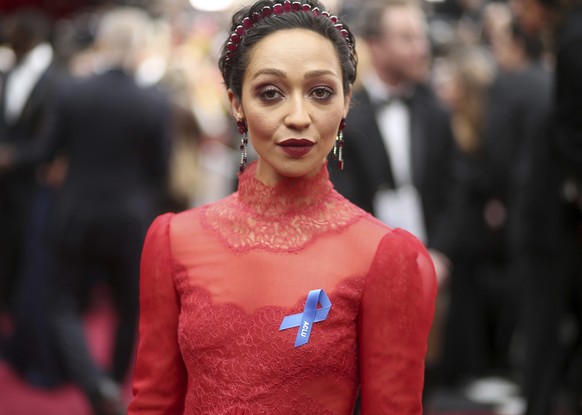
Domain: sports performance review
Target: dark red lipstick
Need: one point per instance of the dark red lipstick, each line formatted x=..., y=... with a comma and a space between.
x=296, y=147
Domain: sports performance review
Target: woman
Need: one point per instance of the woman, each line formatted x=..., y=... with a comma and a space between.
x=229, y=291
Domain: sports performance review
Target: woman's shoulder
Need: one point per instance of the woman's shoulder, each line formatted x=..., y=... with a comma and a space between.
x=191, y=217
x=403, y=261
x=177, y=223
x=401, y=236
x=381, y=234
x=389, y=250
x=182, y=230
x=368, y=237
x=399, y=244
x=366, y=223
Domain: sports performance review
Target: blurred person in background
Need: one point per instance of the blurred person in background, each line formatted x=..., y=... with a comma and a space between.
x=496, y=116
x=117, y=138
x=496, y=19
x=399, y=144
x=469, y=75
x=551, y=239
x=28, y=96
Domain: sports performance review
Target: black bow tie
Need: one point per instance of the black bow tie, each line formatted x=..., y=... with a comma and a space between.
x=383, y=103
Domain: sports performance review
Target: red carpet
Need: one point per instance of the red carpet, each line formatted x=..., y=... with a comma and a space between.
x=19, y=398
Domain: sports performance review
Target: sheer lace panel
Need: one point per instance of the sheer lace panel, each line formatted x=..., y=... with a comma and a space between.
x=258, y=277
x=285, y=217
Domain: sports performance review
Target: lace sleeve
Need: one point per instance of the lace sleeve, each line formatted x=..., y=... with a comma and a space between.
x=160, y=378
x=395, y=317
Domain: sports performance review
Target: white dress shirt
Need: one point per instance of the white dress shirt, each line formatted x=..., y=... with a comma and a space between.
x=23, y=78
x=400, y=207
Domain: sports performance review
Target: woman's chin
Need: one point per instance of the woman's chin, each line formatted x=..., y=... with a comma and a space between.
x=293, y=169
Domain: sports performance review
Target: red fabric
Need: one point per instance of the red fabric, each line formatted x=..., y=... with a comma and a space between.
x=217, y=281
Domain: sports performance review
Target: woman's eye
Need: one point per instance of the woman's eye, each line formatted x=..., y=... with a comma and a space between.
x=322, y=93
x=269, y=94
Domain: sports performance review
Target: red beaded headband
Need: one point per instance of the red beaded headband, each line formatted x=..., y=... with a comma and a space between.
x=275, y=10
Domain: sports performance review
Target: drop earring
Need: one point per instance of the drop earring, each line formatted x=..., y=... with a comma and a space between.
x=244, y=144
x=338, y=148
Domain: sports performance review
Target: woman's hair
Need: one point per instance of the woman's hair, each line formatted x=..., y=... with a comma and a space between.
x=233, y=63
x=533, y=46
x=474, y=73
x=559, y=11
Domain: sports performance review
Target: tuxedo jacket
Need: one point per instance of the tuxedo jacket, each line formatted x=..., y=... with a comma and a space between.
x=117, y=139
x=567, y=126
x=367, y=164
x=546, y=222
x=17, y=185
x=546, y=219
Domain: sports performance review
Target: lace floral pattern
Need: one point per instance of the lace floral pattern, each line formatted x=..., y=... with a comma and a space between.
x=243, y=364
x=281, y=218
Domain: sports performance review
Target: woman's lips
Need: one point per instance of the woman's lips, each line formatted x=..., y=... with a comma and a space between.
x=296, y=147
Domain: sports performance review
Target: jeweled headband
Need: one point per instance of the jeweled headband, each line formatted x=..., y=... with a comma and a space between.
x=277, y=9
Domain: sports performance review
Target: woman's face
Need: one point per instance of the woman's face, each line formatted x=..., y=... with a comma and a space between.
x=292, y=102
x=447, y=84
x=531, y=15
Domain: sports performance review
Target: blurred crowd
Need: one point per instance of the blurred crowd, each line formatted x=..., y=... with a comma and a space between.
x=113, y=113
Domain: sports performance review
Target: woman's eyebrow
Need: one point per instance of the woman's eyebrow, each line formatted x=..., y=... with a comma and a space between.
x=318, y=73
x=270, y=71
x=282, y=74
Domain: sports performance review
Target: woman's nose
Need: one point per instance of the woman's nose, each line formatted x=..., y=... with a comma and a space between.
x=298, y=116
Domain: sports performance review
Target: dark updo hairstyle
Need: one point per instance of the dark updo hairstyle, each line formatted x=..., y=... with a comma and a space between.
x=233, y=68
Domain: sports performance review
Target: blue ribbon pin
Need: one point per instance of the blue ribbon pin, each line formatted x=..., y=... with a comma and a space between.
x=311, y=314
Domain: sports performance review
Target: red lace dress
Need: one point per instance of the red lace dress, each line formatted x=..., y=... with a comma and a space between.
x=218, y=280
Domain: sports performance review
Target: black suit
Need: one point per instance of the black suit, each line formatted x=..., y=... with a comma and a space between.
x=117, y=139
x=552, y=245
x=367, y=164
x=25, y=259
x=568, y=126
x=18, y=187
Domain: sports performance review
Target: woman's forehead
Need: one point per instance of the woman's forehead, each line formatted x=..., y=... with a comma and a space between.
x=293, y=51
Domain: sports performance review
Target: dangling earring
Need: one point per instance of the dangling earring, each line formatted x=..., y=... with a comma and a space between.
x=244, y=144
x=338, y=148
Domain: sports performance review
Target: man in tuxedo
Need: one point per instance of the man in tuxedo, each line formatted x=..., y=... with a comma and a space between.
x=28, y=96
x=117, y=138
x=398, y=141
x=28, y=93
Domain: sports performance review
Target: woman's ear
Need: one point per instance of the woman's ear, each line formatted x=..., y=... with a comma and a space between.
x=235, y=105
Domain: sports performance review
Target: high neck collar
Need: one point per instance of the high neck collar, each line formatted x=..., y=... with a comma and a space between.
x=282, y=218
x=291, y=195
